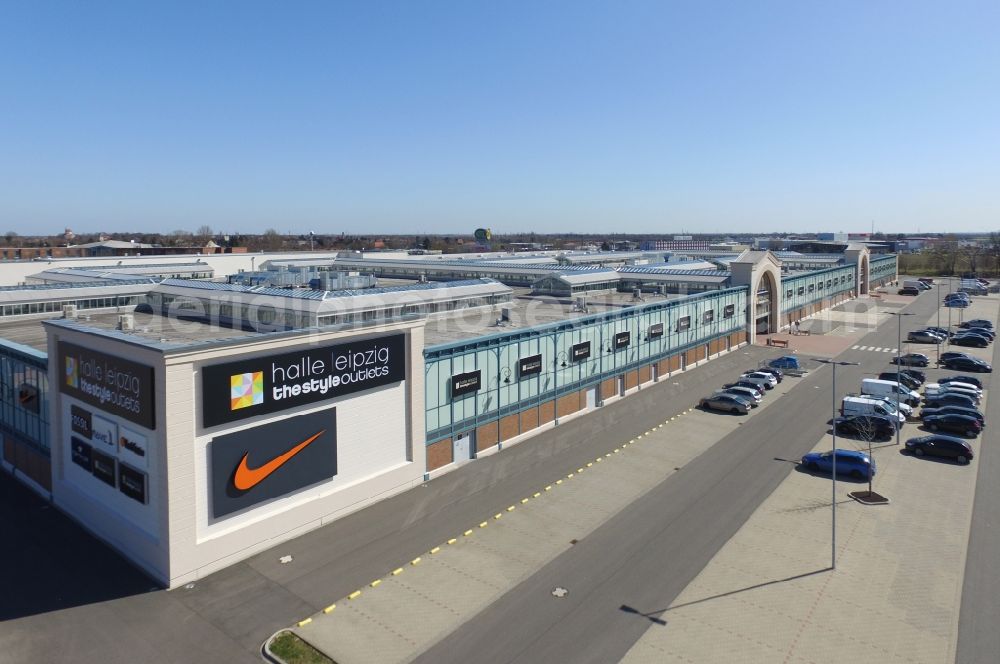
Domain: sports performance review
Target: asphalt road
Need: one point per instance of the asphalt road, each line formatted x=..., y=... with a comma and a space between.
x=647, y=554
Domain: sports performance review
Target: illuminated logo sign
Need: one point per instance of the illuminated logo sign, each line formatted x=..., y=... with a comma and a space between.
x=465, y=383
x=112, y=384
x=132, y=447
x=104, y=431
x=80, y=421
x=656, y=330
x=622, y=339
x=132, y=483
x=246, y=389
x=580, y=351
x=237, y=390
x=528, y=366
x=272, y=460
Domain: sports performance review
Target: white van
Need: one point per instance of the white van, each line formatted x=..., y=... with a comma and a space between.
x=889, y=389
x=871, y=406
x=916, y=283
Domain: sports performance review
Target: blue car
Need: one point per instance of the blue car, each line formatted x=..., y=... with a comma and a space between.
x=786, y=362
x=849, y=462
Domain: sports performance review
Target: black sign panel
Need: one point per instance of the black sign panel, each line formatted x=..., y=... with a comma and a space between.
x=246, y=388
x=132, y=483
x=272, y=460
x=622, y=339
x=103, y=467
x=81, y=422
x=120, y=387
x=80, y=453
x=656, y=330
x=464, y=383
x=580, y=351
x=528, y=366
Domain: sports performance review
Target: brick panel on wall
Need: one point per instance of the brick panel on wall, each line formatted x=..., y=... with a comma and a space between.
x=645, y=373
x=663, y=367
x=546, y=412
x=675, y=362
x=487, y=436
x=569, y=403
x=509, y=427
x=692, y=356
x=439, y=454
x=609, y=388
x=631, y=379
x=529, y=419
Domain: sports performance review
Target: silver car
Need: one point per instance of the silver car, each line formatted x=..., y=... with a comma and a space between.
x=752, y=397
x=729, y=403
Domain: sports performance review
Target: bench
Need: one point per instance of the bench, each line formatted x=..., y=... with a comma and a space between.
x=780, y=343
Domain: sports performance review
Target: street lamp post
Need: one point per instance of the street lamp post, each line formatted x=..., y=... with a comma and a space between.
x=939, y=322
x=833, y=421
x=899, y=347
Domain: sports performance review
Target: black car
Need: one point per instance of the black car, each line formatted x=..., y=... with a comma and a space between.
x=907, y=381
x=915, y=374
x=987, y=332
x=975, y=335
x=970, y=341
x=908, y=290
x=952, y=354
x=971, y=380
x=941, y=446
x=977, y=322
x=967, y=364
x=953, y=422
x=958, y=410
x=865, y=427
x=949, y=399
x=912, y=360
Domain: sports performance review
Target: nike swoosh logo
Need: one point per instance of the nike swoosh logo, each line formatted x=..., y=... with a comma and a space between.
x=247, y=478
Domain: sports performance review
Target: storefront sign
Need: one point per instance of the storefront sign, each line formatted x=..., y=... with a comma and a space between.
x=104, y=467
x=622, y=339
x=80, y=421
x=132, y=447
x=105, y=432
x=237, y=390
x=132, y=483
x=465, y=383
x=272, y=460
x=580, y=351
x=528, y=366
x=120, y=387
x=656, y=331
x=80, y=453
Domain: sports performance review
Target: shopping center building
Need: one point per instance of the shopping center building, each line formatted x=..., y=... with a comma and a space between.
x=192, y=423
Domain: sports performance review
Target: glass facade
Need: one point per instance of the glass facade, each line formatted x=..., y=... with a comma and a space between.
x=24, y=390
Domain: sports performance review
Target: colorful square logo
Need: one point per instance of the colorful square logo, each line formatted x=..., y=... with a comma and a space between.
x=246, y=390
x=72, y=372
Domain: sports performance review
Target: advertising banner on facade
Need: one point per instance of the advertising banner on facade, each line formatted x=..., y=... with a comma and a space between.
x=656, y=330
x=132, y=483
x=622, y=339
x=80, y=421
x=465, y=383
x=234, y=391
x=104, y=432
x=133, y=447
x=80, y=453
x=528, y=366
x=272, y=460
x=580, y=351
x=104, y=467
x=115, y=385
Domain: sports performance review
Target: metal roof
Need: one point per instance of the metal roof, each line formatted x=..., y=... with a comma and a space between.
x=82, y=284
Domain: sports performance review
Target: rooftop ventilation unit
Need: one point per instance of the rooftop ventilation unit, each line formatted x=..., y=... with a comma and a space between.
x=69, y=311
x=126, y=323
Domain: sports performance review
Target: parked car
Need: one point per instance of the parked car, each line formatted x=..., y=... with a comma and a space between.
x=908, y=290
x=786, y=362
x=958, y=410
x=924, y=337
x=912, y=360
x=957, y=304
x=955, y=423
x=864, y=427
x=949, y=399
x=904, y=379
x=967, y=364
x=977, y=322
x=726, y=402
x=951, y=355
x=941, y=446
x=932, y=390
x=970, y=341
x=761, y=375
x=757, y=387
x=915, y=374
x=940, y=330
x=989, y=335
x=970, y=380
x=750, y=395
x=777, y=373
x=849, y=462
x=926, y=280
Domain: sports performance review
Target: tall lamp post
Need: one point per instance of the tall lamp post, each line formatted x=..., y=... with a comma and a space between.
x=899, y=347
x=833, y=421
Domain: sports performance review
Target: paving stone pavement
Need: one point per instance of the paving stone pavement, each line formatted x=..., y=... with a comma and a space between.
x=413, y=607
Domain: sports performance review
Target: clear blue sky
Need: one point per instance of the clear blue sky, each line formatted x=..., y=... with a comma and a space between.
x=436, y=117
